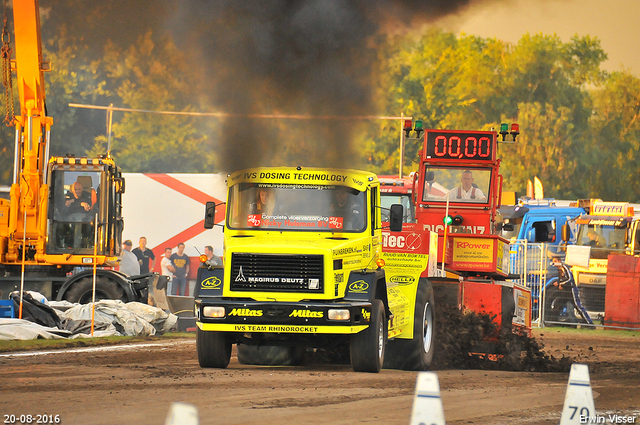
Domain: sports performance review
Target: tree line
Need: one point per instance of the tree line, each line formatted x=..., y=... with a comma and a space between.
x=580, y=132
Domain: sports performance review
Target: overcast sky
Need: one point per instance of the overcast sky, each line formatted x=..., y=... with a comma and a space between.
x=616, y=23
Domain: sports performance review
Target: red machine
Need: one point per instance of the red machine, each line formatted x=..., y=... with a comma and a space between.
x=457, y=193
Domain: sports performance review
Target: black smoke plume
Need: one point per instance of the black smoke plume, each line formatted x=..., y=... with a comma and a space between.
x=305, y=57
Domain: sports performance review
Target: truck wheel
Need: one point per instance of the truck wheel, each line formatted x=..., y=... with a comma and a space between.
x=106, y=289
x=269, y=355
x=367, y=347
x=416, y=353
x=559, y=308
x=214, y=349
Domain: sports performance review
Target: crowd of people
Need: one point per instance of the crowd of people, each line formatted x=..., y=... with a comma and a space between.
x=174, y=265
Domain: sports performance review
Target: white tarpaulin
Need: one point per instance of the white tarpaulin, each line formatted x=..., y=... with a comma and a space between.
x=129, y=319
x=112, y=317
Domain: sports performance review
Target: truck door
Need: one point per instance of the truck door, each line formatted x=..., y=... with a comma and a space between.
x=544, y=230
x=78, y=197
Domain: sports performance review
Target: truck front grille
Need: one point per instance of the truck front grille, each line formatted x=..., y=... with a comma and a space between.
x=592, y=297
x=277, y=273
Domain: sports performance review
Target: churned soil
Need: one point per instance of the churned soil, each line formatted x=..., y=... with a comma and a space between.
x=137, y=383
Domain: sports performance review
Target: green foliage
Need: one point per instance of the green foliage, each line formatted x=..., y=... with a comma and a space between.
x=614, y=152
x=579, y=126
x=468, y=82
x=155, y=78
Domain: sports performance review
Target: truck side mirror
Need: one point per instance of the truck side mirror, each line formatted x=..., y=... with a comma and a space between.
x=210, y=214
x=531, y=235
x=565, y=233
x=119, y=184
x=395, y=218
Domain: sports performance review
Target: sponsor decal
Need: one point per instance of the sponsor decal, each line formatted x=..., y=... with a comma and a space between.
x=473, y=250
x=478, y=230
x=610, y=208
x=522, y=301
x=411, y=242
x=307, y=314
x=245, y=312
x=313, y=283
x=335, y=222
x=402, y=280
x=240, y=277
x=366, y=315
x=254, y=220
x=344, y=251
x=359, y=286
x=276, y=328
x=480, y=245
x=211, y=283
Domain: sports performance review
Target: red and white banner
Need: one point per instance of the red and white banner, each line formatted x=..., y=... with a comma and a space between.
x=169, y=208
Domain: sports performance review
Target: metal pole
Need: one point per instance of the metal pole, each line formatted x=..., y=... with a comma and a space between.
x=401, y=168
x=16, y=155
x=47, y=139
x=109, y=121
x=95, y=255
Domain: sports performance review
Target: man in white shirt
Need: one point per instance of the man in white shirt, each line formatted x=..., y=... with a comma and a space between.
x=467, y=190
x=167, y=267
x=128, y=260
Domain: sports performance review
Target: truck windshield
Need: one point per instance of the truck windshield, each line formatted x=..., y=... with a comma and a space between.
x=73, y=205
x=404, y=199
x=603, y=240
x=457, y=184
x=296, y=207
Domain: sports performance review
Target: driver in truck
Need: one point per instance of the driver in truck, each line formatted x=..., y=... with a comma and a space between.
x=467, y=190
x=77, y=200
x=349, y=210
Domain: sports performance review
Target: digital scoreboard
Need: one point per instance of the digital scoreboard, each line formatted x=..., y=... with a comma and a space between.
x=460, y=145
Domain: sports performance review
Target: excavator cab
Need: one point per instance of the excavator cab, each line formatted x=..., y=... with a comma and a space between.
x=84, y=206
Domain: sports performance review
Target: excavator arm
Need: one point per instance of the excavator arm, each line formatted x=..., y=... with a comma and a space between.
x=26, y=232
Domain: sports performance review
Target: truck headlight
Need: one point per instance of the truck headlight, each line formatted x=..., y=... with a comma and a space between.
x=339, y=314
x=211, y=311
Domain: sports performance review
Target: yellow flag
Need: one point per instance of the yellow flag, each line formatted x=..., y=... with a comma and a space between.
x=529, y=189
x=538, y=191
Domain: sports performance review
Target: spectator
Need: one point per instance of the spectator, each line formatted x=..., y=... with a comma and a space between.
x=146, y=257
x=180, y=262
x=167, y=268
x=212, y=259
x=566, y=279
x=467, y=190
x=128, y=261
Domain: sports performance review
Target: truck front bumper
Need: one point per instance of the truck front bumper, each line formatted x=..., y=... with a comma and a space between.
x=282, y=317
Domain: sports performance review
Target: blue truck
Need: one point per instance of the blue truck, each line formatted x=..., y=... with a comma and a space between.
x=534, y=227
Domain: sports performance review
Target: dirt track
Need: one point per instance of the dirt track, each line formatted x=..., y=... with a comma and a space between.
x=137, y=384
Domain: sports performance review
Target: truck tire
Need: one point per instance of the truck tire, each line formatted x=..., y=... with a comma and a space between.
x=269, y=355
x=416, y=353
x=106, y=289
x=368, y=346
x=559, y=307
x=214, y=349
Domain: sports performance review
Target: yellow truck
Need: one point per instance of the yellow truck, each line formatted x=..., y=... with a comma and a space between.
x=610, y=228
x=304, y=268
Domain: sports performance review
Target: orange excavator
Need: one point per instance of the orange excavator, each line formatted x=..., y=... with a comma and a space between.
x=64, y=215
